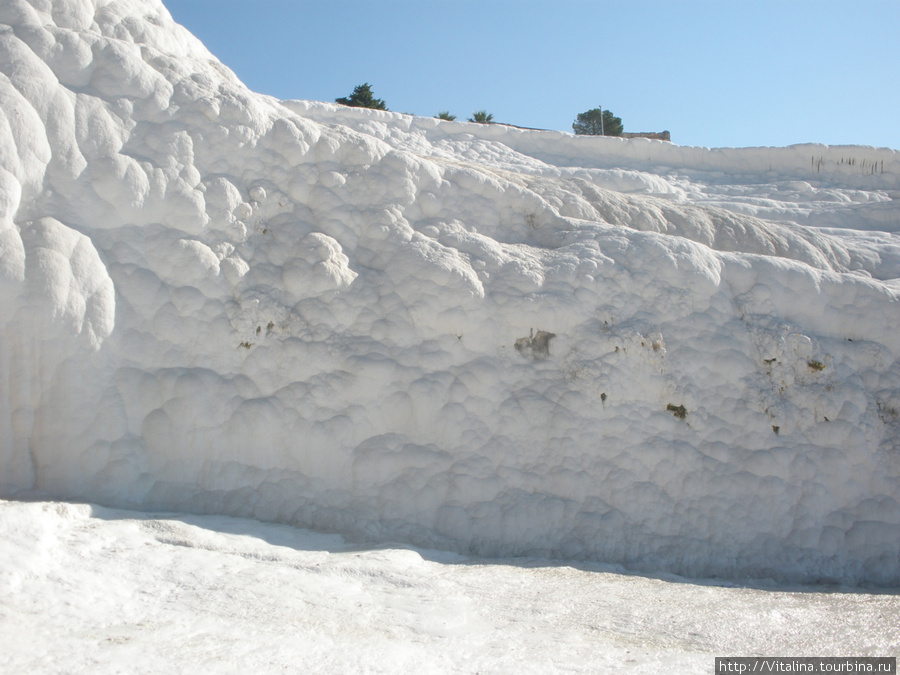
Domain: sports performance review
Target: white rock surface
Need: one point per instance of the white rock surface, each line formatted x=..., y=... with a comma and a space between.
x=111, y=591
x=218, y=302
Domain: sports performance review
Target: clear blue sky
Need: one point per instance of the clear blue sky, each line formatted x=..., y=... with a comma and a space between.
x=713, y=72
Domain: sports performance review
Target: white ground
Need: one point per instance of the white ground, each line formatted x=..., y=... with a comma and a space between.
x=92, y=590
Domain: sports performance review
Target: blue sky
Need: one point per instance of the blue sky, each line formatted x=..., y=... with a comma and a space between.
x=713, y=72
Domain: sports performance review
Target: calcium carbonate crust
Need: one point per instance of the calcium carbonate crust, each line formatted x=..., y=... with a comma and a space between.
x=474, y=337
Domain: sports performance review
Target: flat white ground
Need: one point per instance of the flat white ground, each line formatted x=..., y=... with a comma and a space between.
x=85, y=589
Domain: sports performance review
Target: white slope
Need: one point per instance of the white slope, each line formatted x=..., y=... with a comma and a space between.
x=87, y=589
x=216, y=302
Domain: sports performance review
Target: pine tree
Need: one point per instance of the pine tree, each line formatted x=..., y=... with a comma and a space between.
x=362, y=97
x=589, y=123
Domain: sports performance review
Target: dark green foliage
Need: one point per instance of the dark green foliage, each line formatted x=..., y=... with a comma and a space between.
x=445, y=115
x=362, y=97
x=678, y=410
x=482, y=117
x=588, y=124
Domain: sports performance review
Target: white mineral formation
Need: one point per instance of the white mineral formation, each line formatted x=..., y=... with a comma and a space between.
x=217, y=302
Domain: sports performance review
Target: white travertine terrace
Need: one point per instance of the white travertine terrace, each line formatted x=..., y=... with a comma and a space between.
x=217, y=302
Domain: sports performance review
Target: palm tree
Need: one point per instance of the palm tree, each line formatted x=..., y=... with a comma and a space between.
x=482, y=117
x=445, y=115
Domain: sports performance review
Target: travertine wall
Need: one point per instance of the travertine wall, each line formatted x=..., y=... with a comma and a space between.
x=658, y=135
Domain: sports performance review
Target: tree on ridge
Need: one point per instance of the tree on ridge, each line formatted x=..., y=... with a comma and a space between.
x=596, y=123
x=482, y=117
x=362, y=97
